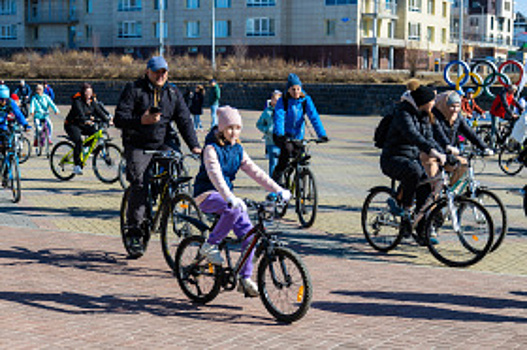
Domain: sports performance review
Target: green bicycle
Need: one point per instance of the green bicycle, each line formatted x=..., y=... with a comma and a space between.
x=106, y=157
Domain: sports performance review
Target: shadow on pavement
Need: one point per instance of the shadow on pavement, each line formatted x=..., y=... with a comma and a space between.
x=76, y=212
x=412, y=311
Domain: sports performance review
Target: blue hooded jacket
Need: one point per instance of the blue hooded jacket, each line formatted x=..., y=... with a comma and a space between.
x=11, y=108
x=289, y=120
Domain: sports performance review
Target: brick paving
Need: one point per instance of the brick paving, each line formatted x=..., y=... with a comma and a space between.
x=66, y=282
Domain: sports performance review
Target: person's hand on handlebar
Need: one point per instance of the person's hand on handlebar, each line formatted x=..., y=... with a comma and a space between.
x=196, y=150
x=453, y=150
x=440, y=156
x=284, y=195
x=235, y=202
x=323, y=139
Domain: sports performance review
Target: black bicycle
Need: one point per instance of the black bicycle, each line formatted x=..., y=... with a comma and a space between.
x=300, y=180
x=503, y=131
x=283, y=279
x=9, y=168
x=167, y=201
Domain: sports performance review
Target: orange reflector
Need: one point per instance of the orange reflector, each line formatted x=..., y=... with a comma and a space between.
x=300, y=294
x=476, y=238
x=184, y=206
x=211, y=268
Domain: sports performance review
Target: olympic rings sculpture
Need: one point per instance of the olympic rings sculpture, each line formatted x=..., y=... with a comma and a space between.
x=483, y=85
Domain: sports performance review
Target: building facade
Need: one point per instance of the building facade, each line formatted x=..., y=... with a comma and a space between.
x=378, y=34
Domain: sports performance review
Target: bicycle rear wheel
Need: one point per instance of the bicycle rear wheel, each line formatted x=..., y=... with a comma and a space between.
x=14, y=180
x=174, y=226
x=497, y=212
x=285, y=285
x=509, y=162
x=469, y=242
x=23, y=149
x=306, y=198
x=380, y=227
x=106, y=162
x=61, y=161
x=197, y=278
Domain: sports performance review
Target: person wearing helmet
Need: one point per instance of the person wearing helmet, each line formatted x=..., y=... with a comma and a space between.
x=24, y=93
x=469, y=105
x=8, y=106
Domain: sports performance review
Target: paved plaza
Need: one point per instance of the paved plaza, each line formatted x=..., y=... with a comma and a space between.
x=66, y=282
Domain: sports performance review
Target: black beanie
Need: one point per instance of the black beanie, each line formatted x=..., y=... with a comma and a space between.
x=422, y=95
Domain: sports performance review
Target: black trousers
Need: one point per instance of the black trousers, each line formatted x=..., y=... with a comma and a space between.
x=409, y=172
x=287, y=151
x=75, y=133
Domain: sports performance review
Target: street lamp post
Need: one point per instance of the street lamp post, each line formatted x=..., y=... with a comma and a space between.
x=213, y=44
x=460, y=40
x=161, y=27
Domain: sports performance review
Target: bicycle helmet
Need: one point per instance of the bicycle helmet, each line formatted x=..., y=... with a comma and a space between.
x=470, y=91
x=4, y=91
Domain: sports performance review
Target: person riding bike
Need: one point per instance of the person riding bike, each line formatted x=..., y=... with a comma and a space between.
x=289, y=122
x=7, y=107
x=144, y=112
x=222, y=157
x=502, y=107
x=39, y=110
x=82, y=119
x=23, y=92
x=469, y=107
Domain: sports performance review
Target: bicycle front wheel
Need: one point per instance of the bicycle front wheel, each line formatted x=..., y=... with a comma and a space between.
x=285, y=285
x=23, y=149
x=174, y=226
x=509, y=161
x=497, y=211
x=14, y=180
x=61, y=161
x=306, y=198
x=106, y=162
x=380, y=227
x=464, y=233
x=197, y=278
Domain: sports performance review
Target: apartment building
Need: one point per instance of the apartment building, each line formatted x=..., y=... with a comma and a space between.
x=379, y=34
x=520, y=30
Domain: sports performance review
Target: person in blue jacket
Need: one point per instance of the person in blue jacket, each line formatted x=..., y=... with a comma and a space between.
x=289, y=122
x=8, y=106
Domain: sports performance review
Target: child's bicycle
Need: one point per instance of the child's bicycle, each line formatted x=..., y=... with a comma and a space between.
x=10, y=168
x=105, y=157
x=43, y=138
x=283, y=279
x=458, y=231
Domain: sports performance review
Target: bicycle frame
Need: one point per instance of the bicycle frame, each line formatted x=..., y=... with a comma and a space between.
x=10, y=155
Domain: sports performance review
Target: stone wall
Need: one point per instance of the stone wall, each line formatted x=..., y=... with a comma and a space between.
x=346, y=99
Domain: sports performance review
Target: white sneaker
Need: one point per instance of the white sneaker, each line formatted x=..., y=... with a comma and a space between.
x=212, y=253
x=77, y=170
x=248, y=287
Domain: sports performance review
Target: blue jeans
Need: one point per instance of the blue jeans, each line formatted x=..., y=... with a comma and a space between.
x=197, y=121
x=272, y=152
x=214, y=115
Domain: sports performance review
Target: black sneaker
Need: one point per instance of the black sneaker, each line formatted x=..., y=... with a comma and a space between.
x=135, y=244
x=420, y=237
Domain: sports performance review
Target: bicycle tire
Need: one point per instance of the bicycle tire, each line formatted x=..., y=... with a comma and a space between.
x=306, y=197
x=38, y=149
x=23, y=149
x=198, y=279
x=380, y=227
x=122, y=173
x=61, y=161
x=174, y=228
x=14, y=180
x=294, y=282
x=509, y=162
x=459, y=249
x=497, y=211
x=525, y=200
x=105, y=163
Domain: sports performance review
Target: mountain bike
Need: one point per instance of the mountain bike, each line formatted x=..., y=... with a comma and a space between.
x=503, y=131
x=457, y=230
x=105, y=157
x=300, y=180
x=166, y=202
x=510, y=160
x=10, y=168
x=283, y=279
x=43, y=138
x=21, y=142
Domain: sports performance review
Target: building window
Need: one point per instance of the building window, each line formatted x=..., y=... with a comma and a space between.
x=129, y=29
x=260, y=3
x=223, y=29
x=193, y=29
x=8, y=32
x=431, y=7
x=7, y=7
x=192, y=49
x=222, y=4
x=414, y=31
x=430, y=35
x=474, y=22
x=501, y=20
x=165, y=29
x=414, y=5
x=193, y=4
x=507, y=6
x=491, y=23
x=129, y=5
x=443, y=36
x=260, y=27
x=391, y=29
x=340, y=2
x=157, y=2
x=35, y=33
x=331, y=26
x=445, y=9
x=509, y=25
x=89, y=6
x=221, y=49
x=89, y=31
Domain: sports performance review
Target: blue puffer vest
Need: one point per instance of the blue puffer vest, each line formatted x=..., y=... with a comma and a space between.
x=230, y=159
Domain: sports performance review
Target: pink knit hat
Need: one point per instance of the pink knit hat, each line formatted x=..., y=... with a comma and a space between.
x=228, y=116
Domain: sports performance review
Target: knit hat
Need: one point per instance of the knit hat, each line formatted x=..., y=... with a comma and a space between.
x=422, y=95
x=293, y=79
x=228, y=116
x=453, y=99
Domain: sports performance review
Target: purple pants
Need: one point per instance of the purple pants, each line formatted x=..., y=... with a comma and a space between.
x=230, y=219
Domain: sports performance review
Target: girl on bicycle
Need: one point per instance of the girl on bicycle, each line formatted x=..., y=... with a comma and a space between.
x=222, y=157
x=82, y=119
x=39, y=109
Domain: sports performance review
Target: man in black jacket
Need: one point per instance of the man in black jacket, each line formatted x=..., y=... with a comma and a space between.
x=144, y=113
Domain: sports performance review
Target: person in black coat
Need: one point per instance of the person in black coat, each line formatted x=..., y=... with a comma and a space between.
x=144, y=112
x=83, y=119
x=196, y=106
x=409, y=135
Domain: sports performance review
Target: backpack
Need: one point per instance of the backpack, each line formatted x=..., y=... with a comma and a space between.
x=381, y=131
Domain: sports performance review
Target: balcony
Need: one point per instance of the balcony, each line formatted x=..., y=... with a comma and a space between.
x=382, y=41
x=384, y=9
x=51, y=12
